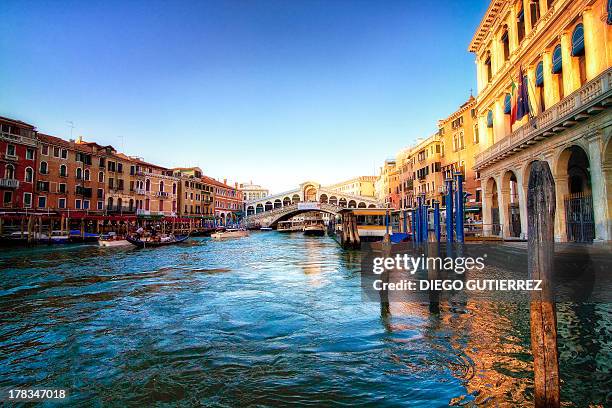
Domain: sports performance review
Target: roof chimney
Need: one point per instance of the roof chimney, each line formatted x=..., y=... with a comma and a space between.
x=224, y=181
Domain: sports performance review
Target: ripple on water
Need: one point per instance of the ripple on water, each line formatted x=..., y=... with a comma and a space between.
x=267, y=320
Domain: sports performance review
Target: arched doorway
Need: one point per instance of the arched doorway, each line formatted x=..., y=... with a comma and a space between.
x=577, y=195
x=333, y=200
x=352, y=204
x=295, y=198
x=310, y=193
x=259, y=208
x=269, y=206
x=511, y=198
x=278, y=203
x=323, y=198
x=342, y=202
x=361, y=205
x=286, y=201
x=250, y=210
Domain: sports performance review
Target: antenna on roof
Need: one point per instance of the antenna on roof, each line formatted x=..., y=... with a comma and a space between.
x=71, y=126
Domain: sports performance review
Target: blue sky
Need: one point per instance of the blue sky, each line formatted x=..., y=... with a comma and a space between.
x=277, y=92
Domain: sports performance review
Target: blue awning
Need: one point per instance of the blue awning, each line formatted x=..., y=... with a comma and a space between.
x=578, y=41
x=540, y=74
x=557, y=60
x=609, y=11
x=490, y=119
x=507, y=104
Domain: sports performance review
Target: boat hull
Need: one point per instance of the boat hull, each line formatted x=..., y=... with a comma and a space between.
x=229, y=234
x=150, y=244
x=115, y=243
x=314, y=232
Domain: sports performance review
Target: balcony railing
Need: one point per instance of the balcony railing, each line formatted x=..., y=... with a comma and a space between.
x=9, y=183
x=162, y=194
x=12, y=157
x=140, y=191
x=577, y=106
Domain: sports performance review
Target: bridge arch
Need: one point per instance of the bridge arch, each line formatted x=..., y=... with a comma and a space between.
x=286, y=201
x=295, y=198
x=259, y=208
x=342, y=202
x=352, y=204
x=323, y=198
x=278, y=203
x=250, y=210
x=333, y=200
x=361, y=205
x=269, y=206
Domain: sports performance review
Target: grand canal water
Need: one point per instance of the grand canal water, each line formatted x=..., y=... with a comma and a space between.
x=267, y=320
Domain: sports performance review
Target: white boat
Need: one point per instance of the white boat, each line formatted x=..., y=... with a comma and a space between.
x=113, y=242
x=314, y=226
x=265, y=229
x=230, y=233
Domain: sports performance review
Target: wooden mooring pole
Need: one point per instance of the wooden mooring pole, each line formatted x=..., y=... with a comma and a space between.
x=541, y=220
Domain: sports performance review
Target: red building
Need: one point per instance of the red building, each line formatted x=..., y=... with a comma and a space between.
x=227, y=200
x=17, y=164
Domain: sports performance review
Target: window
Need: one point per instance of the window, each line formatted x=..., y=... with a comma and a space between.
x=132, y=170
x=488, y=70
x=490, y=119
x=63, y=171
x=520, y=23
x=42, y=186
x=64, y=154
x=476, y=136
x=102, y=162
x=534, y=9
x=557, y=69
x=79, y=173
x=578, y=51
x=161, y=186
x=56, y=151
x=86, y=204
x=43, y=167
x=101, y=177
x=61, y=203
x=109, y=203
x=100, y=205
x=119, y=168
x=10, y=150
x=30, y=154
x=7, y=197
x=9, y=171
x=100, y=193
x=77, y=203
x=27, y=200
x=29, y=175
x=44, y=149
x=61, y=188
x=539, y=90
x=507, y=104
x=505, y=44
x=120, y=184
x=111, y=182
x=42, y=201
x=86, y=174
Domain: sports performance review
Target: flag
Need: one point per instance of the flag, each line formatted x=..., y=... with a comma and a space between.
x=521, y=107
x=513, y=100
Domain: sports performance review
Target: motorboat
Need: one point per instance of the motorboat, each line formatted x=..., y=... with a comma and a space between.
x=289, y=226
x=230, y=233
x=112, y=240
x=59, y=237
x=314, y=227
x=150, y=242
x=265, y=229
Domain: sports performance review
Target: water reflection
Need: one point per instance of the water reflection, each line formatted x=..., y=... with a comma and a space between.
x=268, y=320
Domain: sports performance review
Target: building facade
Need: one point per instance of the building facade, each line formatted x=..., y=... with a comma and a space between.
x=564, y=49
x=195, y=196
x=17, y=164
x=357, y=186
x=428, y=179
x=459, y=138
x=228, y=205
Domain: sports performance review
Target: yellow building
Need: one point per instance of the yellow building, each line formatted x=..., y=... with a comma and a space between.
x=195, y=197
x=565, y=50
x=357, y=186
x=460, y=142
x=160, y=189
x=428, y=180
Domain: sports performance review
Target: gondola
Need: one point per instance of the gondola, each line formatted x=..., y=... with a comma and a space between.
x=150, y=244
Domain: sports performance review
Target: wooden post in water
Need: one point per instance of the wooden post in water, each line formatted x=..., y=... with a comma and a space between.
x=541, y=220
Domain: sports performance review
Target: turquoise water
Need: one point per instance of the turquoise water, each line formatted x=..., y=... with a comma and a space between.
x=267, y=320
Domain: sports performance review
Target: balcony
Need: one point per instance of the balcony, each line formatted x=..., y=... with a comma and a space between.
x=11, y=157
x=9, y=183
x=162, y=194
x=592, y=98
x=140, y=191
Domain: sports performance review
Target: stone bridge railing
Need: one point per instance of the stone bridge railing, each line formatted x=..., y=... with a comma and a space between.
x=270, y=217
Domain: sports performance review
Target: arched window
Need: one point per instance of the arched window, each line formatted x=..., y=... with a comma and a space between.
x=540, y=74
x=534, y=9
x=505, y=43
x=131, y=205
x=87, y=174
x=43, y=167
x=79, y=173
x=488, y=69
x=161, y=186
x=9, y=171
x=557, y=63
x=109, y=204
x=148, y=185
x=29, y=175
x=578, y=41
x=101, y=177
x=507, y=104
x=490, y=119
x=173, y=188
x=63, y=171
x=119, y=203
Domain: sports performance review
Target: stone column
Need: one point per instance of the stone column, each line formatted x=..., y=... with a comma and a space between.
x=599, y=187
x=571, y=80
x=486, y=208
x=503, y=196
x=561, y=189
x=549, y=84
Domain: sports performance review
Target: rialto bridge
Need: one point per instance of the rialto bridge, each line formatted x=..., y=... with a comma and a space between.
x=309, y=196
